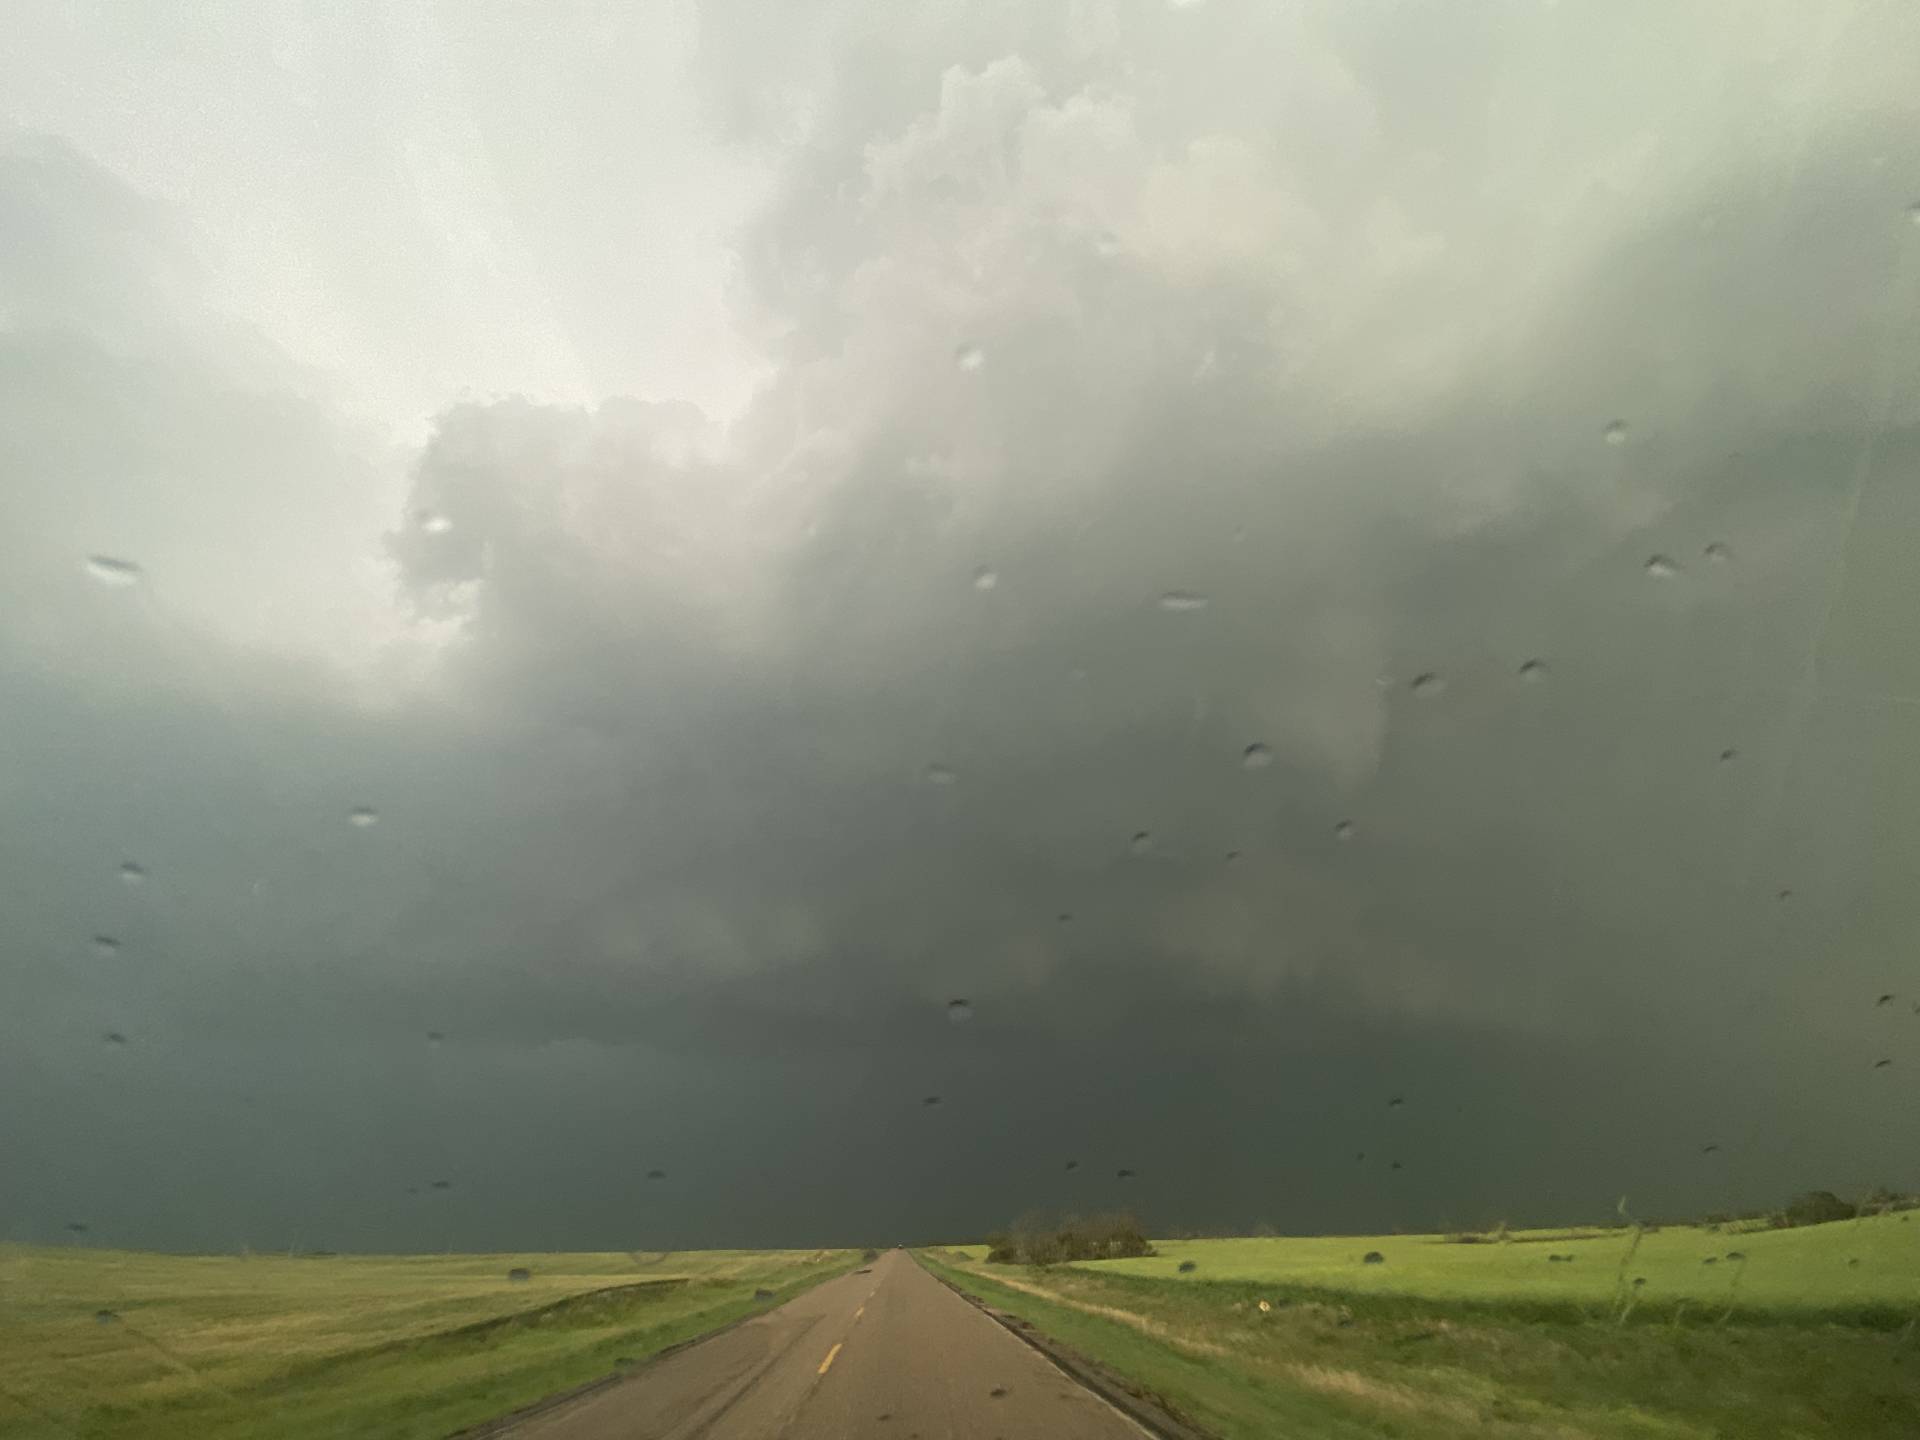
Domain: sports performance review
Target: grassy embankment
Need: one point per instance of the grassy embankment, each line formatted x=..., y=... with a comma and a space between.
x=367, y=1346
x=1812, y=1333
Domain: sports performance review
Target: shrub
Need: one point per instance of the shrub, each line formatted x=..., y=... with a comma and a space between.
x=1034, y=1240
x=1817, y=1207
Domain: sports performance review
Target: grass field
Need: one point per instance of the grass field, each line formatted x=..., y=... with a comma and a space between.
x=1454, y=1340
x=401, y=1346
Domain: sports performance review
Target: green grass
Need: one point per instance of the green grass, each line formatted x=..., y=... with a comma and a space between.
x=1448, y=1340
x=365, y=1346
x=1794, y=1269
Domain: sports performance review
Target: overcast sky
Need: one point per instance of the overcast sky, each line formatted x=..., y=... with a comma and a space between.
x=1292, y=556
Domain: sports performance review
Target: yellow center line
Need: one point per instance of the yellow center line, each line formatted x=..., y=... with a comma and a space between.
x=829, y=1360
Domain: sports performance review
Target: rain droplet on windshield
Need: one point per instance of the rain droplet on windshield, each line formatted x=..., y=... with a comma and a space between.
x=132, y=873
x=1343, y=830
x=1256, y=757
x=363, y=816
x=442, y=1185
x=656, y=1174
x=959, y=1011
x=1729, y=754
x=1615, y=432
x=985, y=579
x=1717, y=552
x=1396, y=1102
x=941, y=775
x=969, y=356
x=931, y=1100
x=1141, y=843
x=1881, y=1064
x=109, y=570
x=1065, y=917
x=1073, y=1164
x=1884, y=1000
x=105, y=946
x=1533, y=671
x=1661, y=567
x=114, y=1037
x=1913, y=212
x=1182, y=601
x=104, y=1317
x=1428, y=684
x=1123, y=1174
x=434, y=1037
x=434, y=523
x=519, y=1275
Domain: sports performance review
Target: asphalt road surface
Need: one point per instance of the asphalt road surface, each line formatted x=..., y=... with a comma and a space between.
x=891, y=1353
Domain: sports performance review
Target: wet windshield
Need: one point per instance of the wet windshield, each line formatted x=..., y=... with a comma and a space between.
x=1082, y=633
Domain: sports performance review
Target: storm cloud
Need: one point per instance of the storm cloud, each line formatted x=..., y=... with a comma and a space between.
x=1501, y=422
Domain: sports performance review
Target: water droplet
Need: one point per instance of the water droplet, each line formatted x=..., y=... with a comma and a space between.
x=1913, y=213
x=656, y=1174
x=985, y=579
x=1343, y=830
x=969, y=356
x=1661, y=567
x=998, y=1392
x=1884, y=1000
x=434, y=523
x=1373, y=1257
x=1783, y=895
x=441, y=1185
x=959, y=1011
x=1533, y=671
x=434, y=1037
x=1396, y=1102
x=1106, y=244
x=931, y=1100
x=1394, y=1166
x=1123, y=1174
x=940, y=775
x=1187, y=1267
x=1065, y=917
x=1233, y=857
x=104, y=1317
x=1182, y=602
x=1073, y=1164
x=363, y=816
x=114, y=1037
x=1256, y=757
x=1729, y=754
x=132, y=873
x=519, y=1275
x=1881, y=1064
x=105, y=946
x=111, y=571
x=1615, y=433
x=1428, y=685
x=1141, y=843
x=1717, y=552
x=78, y=1227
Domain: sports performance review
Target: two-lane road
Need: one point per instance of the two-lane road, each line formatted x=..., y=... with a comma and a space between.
x=891, y=1353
